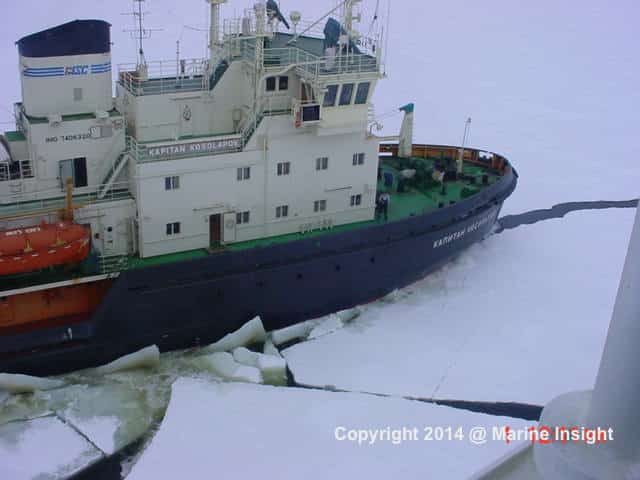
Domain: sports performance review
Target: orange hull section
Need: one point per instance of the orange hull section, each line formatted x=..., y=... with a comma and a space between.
x=46, y=308
x=29, y=249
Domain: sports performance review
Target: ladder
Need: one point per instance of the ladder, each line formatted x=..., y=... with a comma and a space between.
x=113, y=174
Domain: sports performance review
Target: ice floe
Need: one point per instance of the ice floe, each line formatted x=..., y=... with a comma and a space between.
x=148, y=357
x=242, y=431
x=43, y=448
x=251, y=332
x=17, y=383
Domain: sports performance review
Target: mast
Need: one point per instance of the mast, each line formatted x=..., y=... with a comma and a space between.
x=214, y=30
x=140, y=33
x=465, y=137
x=348, y=21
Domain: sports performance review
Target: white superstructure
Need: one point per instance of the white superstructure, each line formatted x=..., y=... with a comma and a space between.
x=267, y=136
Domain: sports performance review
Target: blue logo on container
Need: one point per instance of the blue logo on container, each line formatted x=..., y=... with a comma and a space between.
x=72, y=70
x=77, y=70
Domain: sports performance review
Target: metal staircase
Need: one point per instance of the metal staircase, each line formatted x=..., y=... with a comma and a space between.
x=217, y=74
x=117, y=167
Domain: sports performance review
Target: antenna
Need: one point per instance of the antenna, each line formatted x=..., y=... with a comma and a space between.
x=140, y=33
x=465, y=137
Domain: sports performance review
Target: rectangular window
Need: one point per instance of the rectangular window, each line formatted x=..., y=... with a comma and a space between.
x=171, y=183
x=271, y=84
x=319, y=205
x=282, y=211
x=356, y=200
x=283, y=83
x=284, y=168
x=244, y=173
x=173, y=228
x=346, y=93
x=242, y=217
x=358, y=158
x=362, y=94
x=330, y=96
x=322, y=163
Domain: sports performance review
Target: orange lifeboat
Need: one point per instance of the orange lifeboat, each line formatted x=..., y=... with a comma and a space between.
x=28, y=249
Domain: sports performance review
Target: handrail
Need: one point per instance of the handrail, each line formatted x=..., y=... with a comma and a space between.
x=54, y=198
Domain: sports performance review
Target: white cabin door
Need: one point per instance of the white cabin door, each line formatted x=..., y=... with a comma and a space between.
x=229, y=227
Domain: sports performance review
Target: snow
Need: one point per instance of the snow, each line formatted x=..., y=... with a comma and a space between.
x=251, y=332
x=148, y=357
x=249, y=431
x=42, y=448
x=520, y=317
x=16, y=383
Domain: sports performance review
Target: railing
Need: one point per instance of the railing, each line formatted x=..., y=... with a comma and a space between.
x=312, y=66
x=204, y=146
x=112, y=263
x=154, y=78
x=246, y=25
x=19, y=170
x=52, y=199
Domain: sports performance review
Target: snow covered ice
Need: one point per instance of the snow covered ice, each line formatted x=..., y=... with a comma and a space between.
x=249, y=431
x=521, y=317
x=43, y=448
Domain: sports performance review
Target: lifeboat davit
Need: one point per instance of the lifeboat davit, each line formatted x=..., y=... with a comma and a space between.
x=29, y=249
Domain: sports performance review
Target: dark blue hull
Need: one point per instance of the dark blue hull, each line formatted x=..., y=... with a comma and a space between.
x=196, y=302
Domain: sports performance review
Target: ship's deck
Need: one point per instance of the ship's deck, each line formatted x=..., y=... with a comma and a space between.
x=421, y=195
x=414, y=200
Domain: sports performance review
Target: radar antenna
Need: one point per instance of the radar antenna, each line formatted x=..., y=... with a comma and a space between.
x=140, y=33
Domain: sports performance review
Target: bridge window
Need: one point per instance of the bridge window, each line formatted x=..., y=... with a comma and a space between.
x=362, y=94
x=330, y=96
x=346, y=94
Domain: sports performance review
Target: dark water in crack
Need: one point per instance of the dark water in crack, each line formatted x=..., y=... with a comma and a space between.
x=559, y=211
